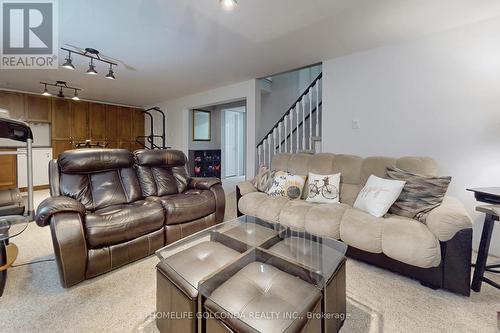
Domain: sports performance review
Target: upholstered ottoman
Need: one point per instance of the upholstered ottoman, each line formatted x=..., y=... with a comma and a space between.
x=319, y=257
x=251, y=234
x=177, y=297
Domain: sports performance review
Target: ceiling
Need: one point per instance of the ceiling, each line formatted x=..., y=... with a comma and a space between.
x=174, y=48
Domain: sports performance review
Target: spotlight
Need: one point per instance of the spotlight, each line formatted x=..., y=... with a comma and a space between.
x=228, y=4
x=46, y=92
x=76, y=98
x=69, y=63
x=111, y=74
x=91, y=69
x=60, y=94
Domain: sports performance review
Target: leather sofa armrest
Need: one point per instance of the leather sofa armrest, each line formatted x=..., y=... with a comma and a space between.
x=200, y=183
x=54, y=205
x=447, y=219
x=246, y=187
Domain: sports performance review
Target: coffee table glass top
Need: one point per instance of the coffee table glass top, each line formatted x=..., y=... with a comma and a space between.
x=247, y=267
x=11, y=226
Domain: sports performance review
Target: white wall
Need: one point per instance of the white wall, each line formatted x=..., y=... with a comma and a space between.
x=178, y=115
x=285, y=89
x=437, y=96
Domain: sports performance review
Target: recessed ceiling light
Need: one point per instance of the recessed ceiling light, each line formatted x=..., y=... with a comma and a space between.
x=228, y=4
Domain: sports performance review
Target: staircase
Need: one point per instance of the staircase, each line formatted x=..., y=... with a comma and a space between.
x=298, y=130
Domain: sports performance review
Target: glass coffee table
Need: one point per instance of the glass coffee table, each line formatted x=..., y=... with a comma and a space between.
x=248, y=275
x=10, y=226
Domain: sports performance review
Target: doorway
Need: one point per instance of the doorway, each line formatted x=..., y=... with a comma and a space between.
x=233, y=142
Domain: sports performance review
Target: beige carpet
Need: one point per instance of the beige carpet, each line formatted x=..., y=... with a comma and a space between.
x=123, y=300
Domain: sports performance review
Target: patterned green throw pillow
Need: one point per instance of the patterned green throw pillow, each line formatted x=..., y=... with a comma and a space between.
x=420, y=194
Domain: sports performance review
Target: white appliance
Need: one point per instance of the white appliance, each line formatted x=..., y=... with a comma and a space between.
x=41, y=158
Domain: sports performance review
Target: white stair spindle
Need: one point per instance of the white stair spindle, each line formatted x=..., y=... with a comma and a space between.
x=309, y=93
x=264, y=151
x=286, y=125
x=297, y=138
x=269, y=148
x=279, y=137
x=274, y=141
x=291, y=131
x=304, y=122
x=259, y=156
x=317, y=108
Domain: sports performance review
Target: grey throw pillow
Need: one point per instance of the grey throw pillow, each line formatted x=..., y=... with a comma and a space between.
x=420, y=194
x=264, y=179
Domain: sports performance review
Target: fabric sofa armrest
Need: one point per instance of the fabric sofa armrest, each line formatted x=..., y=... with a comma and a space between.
x=54, y=205
x=201, y=183
x=246, y=187
x=448, y=219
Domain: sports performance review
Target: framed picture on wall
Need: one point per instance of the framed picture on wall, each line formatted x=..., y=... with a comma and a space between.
x=202, y=126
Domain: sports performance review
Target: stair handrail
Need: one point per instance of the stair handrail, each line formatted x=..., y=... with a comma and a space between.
x=306, y=91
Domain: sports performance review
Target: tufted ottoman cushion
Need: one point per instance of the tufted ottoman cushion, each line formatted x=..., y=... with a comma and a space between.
x=259, y=288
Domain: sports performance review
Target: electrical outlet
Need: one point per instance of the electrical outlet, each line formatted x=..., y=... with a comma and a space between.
x=355, y=124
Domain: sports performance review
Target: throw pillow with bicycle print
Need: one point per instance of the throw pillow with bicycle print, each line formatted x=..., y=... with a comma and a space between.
x=323, y=188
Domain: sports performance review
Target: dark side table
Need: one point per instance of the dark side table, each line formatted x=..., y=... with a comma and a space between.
x=491, y=196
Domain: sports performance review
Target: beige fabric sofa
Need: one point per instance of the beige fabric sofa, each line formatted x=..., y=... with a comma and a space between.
x=437, y=253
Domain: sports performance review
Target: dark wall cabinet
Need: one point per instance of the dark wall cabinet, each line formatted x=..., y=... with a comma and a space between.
x=75, y=122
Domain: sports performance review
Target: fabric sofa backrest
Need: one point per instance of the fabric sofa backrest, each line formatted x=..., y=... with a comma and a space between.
x=161, y=172
x=97, y=178
x=355, y=170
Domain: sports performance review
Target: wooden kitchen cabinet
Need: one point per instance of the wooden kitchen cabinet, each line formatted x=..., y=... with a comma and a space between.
x=59, y=146
x=14, y=103
x=8, y=165
x=125, y=124
x=37, y=108
x=97, y=121
x=61, y=119
x=137, y=123
x=80, y=121
x=112, y=122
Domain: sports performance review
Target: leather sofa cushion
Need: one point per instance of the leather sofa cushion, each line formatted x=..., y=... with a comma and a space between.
x=121, y=223
x=160, y=157
x=308, y=253
x=411, y=242
x=362, y=230
x=188, y=206
x=188, y=267
x=318, y=219
x=101, y=189
x=84, y=161
x=262, y=288
x=162, y=172
x=261, y=205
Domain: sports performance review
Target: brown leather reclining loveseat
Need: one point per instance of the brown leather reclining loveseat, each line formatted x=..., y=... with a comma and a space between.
x=109, y=207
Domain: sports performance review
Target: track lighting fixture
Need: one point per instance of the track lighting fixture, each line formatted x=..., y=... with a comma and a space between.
x=94, y=55
x=75, y=97
x=91, y=69
x=111, y=74
x=61, y=85
x=46, y=92
x=69, y=62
